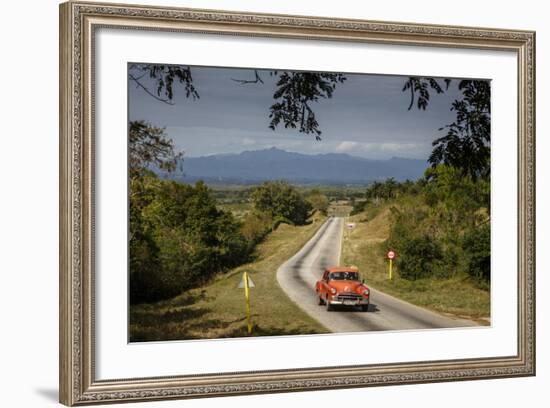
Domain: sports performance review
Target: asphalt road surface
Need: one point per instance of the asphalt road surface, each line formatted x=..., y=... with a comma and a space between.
x=298, y=275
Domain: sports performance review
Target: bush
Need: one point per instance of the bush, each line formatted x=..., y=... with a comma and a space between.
x=477, y=246
x=255, y=226
x=420, y=257
x=358, y=207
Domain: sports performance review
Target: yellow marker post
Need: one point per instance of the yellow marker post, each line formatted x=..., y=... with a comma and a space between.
x=245, y=278
x=391, y=255
x=247, y=283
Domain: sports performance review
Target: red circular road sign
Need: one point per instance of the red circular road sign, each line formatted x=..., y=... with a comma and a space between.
x=391, y=255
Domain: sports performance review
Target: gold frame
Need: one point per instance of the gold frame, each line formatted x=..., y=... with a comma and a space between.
x=78, y=22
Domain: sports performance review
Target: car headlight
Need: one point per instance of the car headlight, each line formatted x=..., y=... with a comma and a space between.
x=333, y=291
x=366, y=292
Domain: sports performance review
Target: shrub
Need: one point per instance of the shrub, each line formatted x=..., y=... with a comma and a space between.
x=420, y=257
x=358, y=207
x=255, y=226
x=477, y=247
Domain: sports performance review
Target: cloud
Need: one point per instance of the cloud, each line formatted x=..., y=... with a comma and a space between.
x=348, y=146
x=247, y=141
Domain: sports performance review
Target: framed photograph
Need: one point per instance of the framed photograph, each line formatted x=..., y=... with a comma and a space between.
x=256, y=203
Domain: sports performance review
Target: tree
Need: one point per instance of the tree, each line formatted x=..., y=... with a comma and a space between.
x=389, y=188
x=467, y=143
x=318, y=201
x=457, y=196
x=374, y=191
x=192, y=239
x=419, y=88
x=294, y=94
x=282, y=201
x=178, y=237
x=143, y=250
x=149, y=146
x=163, y=77
x=382, y=190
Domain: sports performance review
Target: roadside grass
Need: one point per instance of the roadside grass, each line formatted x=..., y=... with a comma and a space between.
x=365, y=247
x=217, y=310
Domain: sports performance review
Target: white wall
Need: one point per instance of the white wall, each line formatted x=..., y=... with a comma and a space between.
x=28, y=201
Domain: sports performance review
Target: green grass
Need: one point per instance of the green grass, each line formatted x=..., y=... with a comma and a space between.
x=365, y=247
x=217, y=310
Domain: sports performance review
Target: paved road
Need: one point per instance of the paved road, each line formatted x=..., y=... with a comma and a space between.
x=298, y=275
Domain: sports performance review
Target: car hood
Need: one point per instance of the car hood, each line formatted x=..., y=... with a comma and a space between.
x=347, y=286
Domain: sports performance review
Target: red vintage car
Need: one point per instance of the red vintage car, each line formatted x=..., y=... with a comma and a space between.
x=340, y=285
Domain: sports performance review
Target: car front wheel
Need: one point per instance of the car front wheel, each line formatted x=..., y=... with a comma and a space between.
x=365, y=308
x=329, y=306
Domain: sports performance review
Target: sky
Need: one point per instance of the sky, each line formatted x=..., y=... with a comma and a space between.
x=367, y=116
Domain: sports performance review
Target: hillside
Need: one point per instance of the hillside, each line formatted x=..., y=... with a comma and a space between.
x=250, y=167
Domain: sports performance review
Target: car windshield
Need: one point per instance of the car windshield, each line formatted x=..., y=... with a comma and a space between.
x=344, y=276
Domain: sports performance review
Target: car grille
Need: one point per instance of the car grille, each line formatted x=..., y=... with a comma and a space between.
x=348, y=296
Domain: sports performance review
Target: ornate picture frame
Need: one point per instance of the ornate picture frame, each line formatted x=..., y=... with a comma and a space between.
x=79, y=22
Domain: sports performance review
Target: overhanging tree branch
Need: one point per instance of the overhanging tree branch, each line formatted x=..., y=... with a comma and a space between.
x=140, y=85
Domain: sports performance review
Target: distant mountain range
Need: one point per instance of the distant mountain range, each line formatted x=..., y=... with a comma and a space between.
x=251, y=167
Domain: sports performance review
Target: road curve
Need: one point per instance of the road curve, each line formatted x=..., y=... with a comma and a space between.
x=298, y=275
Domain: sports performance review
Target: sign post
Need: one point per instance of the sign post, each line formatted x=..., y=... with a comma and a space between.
x=247, y=283
x=391, y=256
x=350, y=226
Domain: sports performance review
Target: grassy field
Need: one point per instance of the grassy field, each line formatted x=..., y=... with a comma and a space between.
x=217, y=310
x=365, y=247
